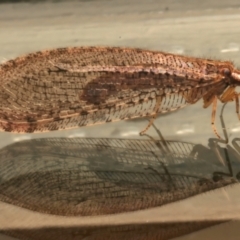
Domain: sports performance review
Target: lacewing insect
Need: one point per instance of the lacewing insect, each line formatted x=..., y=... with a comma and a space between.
x=80, y=86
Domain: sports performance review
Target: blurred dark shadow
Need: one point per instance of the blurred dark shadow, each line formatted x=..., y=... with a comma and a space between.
x=161, y=231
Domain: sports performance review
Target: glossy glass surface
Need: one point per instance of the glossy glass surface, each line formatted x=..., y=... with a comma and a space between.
x=107, y=174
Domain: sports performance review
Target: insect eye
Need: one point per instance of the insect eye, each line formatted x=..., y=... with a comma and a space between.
x=226, y=72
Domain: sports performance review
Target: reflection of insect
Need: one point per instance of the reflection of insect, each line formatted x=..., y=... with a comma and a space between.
x=227, y=154
x=73, y=87
x=94, y=176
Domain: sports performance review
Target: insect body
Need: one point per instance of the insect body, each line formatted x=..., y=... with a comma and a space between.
x=72, y=87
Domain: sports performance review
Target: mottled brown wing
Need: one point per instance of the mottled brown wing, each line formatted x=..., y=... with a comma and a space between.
x=73, y=87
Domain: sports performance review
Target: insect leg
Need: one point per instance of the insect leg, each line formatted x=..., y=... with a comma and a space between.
x=228, y=95
x=214, y=108
x=237, y=104
x=163, y=147
x=223, y=154
x=154, y=115
x=231, y=95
